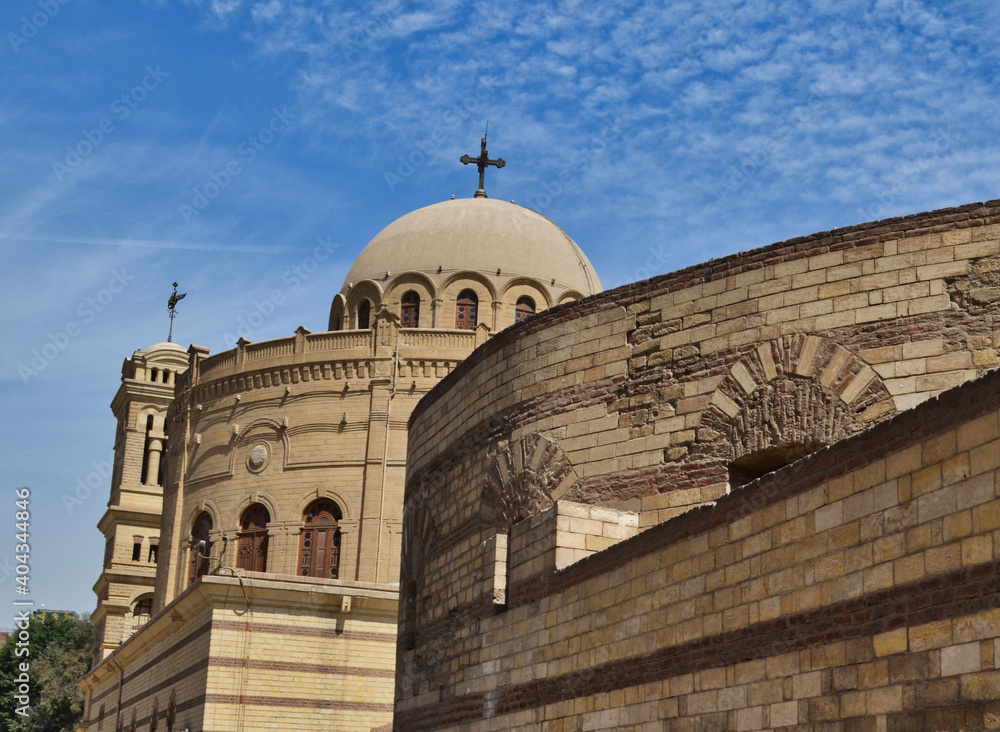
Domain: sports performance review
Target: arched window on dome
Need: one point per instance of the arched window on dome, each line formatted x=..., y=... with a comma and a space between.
x=252, y=552
x=465, y=310
x=364, y=315
x=524, y=310
x=319, y=544
x=200, y=556
x=410, y=310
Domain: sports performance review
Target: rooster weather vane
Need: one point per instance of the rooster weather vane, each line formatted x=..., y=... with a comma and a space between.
x=172, y=307
x=481, y=162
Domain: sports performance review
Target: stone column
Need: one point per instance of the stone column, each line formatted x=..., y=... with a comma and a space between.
x=155, y=450
x=496, y=316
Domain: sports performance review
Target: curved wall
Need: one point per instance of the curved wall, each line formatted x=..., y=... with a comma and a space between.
x=654, y=388
x=293, y=420
x=658, y=396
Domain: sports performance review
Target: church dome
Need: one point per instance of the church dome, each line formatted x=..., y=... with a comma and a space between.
x=480, y=235
x=165, y=346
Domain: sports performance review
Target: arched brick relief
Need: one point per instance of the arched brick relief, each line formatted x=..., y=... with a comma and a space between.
x=526, y=476
x=787, y=398
x=419, y=534
x=836, y=369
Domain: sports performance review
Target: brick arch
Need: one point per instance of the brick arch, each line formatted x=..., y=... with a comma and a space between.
x=526, y=475
x=788, y=397
x=419, y=534
x=843, y=373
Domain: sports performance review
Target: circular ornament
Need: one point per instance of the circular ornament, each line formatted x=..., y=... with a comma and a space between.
x=258, y=457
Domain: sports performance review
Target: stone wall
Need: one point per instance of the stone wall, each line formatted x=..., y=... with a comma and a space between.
x=304, y=650
x=857, y=589
x=654, y=390
x=665, y=395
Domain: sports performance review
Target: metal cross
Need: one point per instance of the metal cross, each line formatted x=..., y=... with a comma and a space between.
x=172, y=307
x=481, y=162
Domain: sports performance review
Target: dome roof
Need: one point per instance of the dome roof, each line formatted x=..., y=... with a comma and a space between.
x=481, y=235
x=165, y=346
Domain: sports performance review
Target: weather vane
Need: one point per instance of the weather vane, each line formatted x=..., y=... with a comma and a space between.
x=172, y=307
x=481, y=162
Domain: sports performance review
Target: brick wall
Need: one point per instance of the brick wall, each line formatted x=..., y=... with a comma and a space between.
x=856, y=589
x=658, y=397
x=296, y=653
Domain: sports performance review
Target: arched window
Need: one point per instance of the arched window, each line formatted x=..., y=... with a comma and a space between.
x=410, y=314
x=337, y=316
x=364, y=315
x=141, y=612
x=200, y=556
x=465, y=310
x=524, y=310
x=252, y=552
x=319, y=545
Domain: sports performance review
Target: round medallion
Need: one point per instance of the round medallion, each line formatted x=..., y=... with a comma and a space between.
x=257, y=459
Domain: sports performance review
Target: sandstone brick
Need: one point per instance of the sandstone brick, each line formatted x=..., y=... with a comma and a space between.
x=960, y=659
x=887, y=644
x=930, y=635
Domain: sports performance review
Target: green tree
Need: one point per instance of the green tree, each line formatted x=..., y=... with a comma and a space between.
x=59, y=655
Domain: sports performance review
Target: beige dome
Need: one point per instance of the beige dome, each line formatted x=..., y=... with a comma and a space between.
x=165, y=346
x=479, y=235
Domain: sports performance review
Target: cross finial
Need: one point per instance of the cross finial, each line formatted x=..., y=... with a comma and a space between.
x=481, y=162
x=172, y=307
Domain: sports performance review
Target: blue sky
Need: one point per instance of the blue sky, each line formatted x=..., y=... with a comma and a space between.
x=217, y=142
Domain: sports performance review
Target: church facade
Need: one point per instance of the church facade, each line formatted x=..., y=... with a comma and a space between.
x=255, y=523
x=761, y=493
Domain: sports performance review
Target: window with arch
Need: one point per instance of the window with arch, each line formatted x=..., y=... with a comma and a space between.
x=364, y=315
x=319, y=545
x=252, y=552
x=200, y=557
x=141, y=612
x=525, y=309
x=465, y=310
x=410, y=310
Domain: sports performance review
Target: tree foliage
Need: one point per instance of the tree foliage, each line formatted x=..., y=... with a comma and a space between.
x=59, y=651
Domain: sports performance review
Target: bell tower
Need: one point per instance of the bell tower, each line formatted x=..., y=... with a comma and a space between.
x=131, y=525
